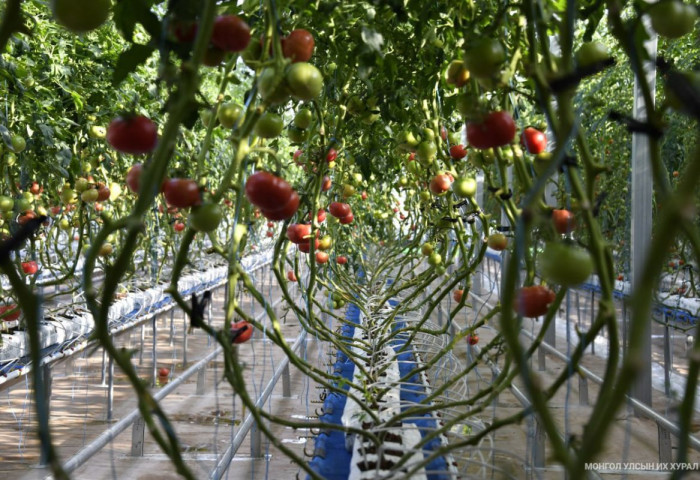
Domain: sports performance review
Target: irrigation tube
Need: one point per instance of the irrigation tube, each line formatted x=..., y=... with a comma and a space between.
x=227, y=457
x=100, y=442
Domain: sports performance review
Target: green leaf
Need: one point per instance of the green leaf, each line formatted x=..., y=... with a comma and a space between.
x=129, y=60
x=127, y=13
x=365, y=166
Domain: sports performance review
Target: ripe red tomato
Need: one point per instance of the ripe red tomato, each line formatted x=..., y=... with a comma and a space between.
x=230, y=33
x=457, y=295
x=321, y=257
x=347, y=219
x=133, y=134
x=163, y=372
x=458, y=152
x=102, y=192
x=179, y=226
x=564, y=221
x=533, y=140
x=291, y=276
x=339, y=210
x=35, y=188
x=287, y=211
x=184, y=31
x=9, y=317
x=472, y=339
x=440, y=184
x=341, y=260
x=533, y=301
x=26, y=216
x=364, y=195
x=267, y=191
x=30, y=267
x=182, y=192
x=133, y=176
x=327, y=183
x=270, y=224
x=305, y=246
x=496, y=130
x=241, y=332
x=298, y=45
x=321, y=215
x=331, y=155
x=298, y=232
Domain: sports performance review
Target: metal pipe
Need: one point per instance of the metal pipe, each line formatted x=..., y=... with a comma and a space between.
x=223, y=464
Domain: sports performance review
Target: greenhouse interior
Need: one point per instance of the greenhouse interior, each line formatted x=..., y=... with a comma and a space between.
x=349, y=240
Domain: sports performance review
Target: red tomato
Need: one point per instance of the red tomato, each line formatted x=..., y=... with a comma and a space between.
x=564, y=221
x=230, y=33
x=347, y=219
x=496, y=130
x=163, y=372
x=26, y=216
x=472, y=339
x=321, y=257
x=331, y=155
x=296, y=232
x=298, y=45
x=533, y=301
x=364, y=196
x=9, y=317
x=457, y=295
x=102, y=192
x=339, y=210
x=35, y=188
x=185, y=32
x=533, y=140
x=321, y=215
x=440, y=184
x=291, y=277
x=179, y=226
x=297, y=154
x=458, y=152
x=341, y=260
x=241, y=331
x=182, y=192
x=30, y=267
x=270, y=224
x=270, y=233
x=135, y=134
x=55, y=210
x=287, y=211
x=306, y=246
x=268, y=191
x=133, y=176
x=327, y=183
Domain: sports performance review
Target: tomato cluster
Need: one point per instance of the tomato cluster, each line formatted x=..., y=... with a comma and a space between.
x=273, y=195
x=342, y=212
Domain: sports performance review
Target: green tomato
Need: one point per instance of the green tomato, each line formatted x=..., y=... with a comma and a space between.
x=485, y=57
x=18, y=144
x=11, y=159
x=297, y=135
x=426, y=152
x=64, y=224
x=229, y=113
x=90, y=195
x=435, y=259
x=305, y=81
x=413, y=167
x=565, y=264
x=465, y=187
x=303, y=118
x=269, y=125
x=6, y=203
x=81, y=184
x=68, y=196
x=591, y=53
x=425, y=196
x=80, y=16
x=272, y=87
x=24, y=205
x=407, y=140
x=97, y=131
x=427, y=248
x=541, y=162
x=672, y=18
x=206, y=217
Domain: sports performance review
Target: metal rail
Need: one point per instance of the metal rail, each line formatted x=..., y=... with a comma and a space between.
x=110, y=434
x=225, y=461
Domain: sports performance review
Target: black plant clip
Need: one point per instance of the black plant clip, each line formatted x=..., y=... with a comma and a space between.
x=16, y=241
x=198, y=309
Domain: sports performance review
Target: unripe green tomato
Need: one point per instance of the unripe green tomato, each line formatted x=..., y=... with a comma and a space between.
x=435, y=259
x=97, y=131
x=115, y=190
x=465, y=187
x=425, y=196
x=81, y=184
x=206, y=217
x=64, y=224
x=6, y=203
x=348, y=190
x=297, y=135
x=18, y=144
x=229, y=113
x=413, y=167
x=29, y=196
x=440, y=269
x=427, y=248
x=565, y=264
x=303, y=118
x=68, y=196
x=106, y=249
x=41, y=211
x=90, y=195
x=9, y=215
x=76, y=221
x=10, y=159
x=426, y=152
x=24, y=205
x=357, y=177
x=403, y=181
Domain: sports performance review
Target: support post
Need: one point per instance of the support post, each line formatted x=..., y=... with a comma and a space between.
x=143, y=338
x=665, y=445
x=255, y=441
x=286, y=382
x=202, y=380
x=184, y=340
x=641, y=214
x=154, y=351
x=582, y=390
x=667, y=360
x=172, y=327
x=137, y=437
x=540, y=441
x=110, y=390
